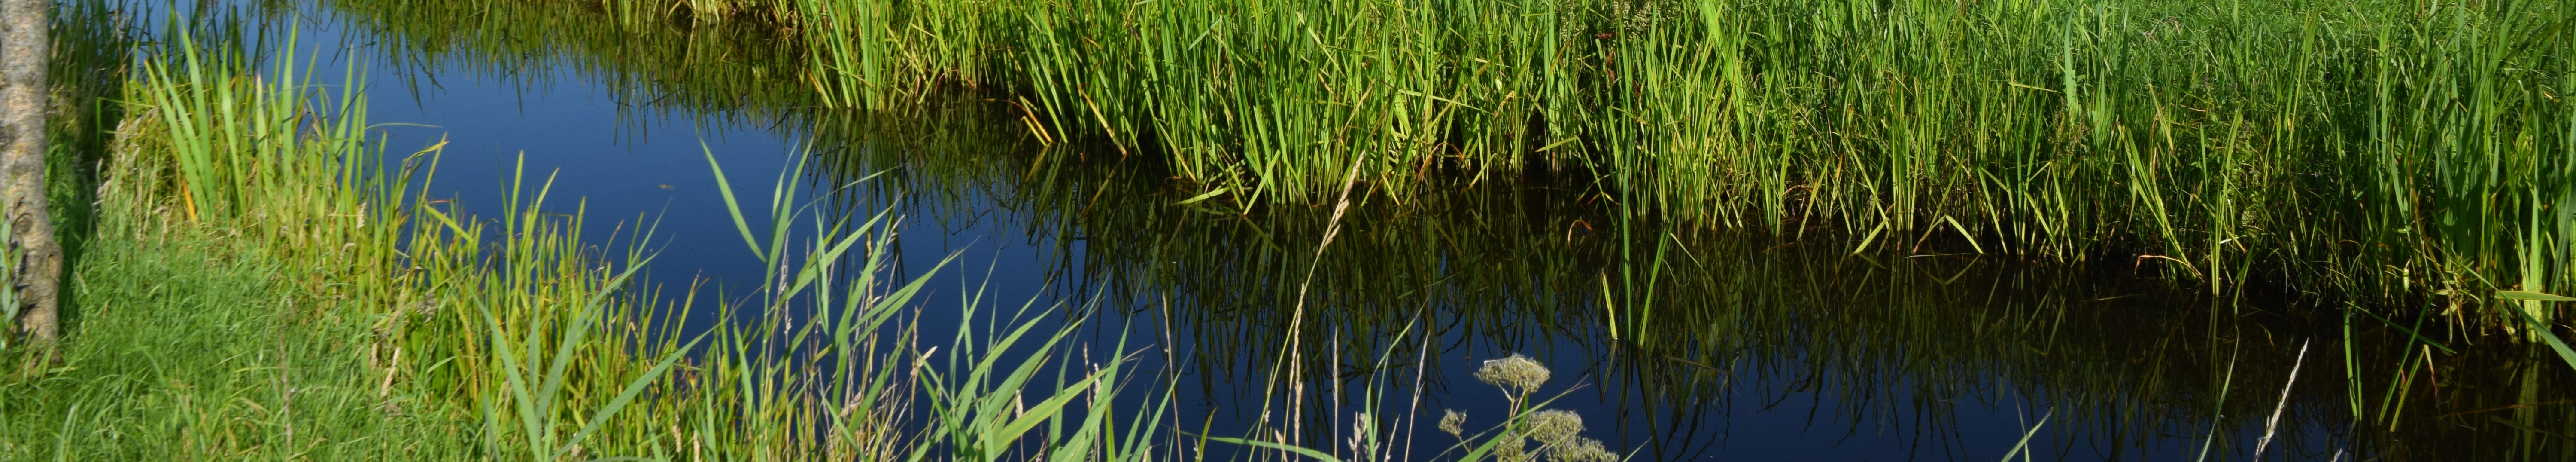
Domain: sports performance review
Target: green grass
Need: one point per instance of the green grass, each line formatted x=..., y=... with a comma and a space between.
x=190, y=348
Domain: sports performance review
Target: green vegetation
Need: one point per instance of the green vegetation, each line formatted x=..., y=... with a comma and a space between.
x=1528, y=169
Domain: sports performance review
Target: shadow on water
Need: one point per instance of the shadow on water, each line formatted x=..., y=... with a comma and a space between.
x=1679, y=342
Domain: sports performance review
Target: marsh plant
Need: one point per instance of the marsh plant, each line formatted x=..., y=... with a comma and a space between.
x=1533, y=431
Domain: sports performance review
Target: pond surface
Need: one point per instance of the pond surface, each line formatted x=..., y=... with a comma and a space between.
x=1673, y=341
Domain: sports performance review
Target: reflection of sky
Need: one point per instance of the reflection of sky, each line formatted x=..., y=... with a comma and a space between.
x=624, y=166
x=601, y=161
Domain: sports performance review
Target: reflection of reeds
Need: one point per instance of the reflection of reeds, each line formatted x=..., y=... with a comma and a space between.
x=1701, y=314
x=719, y=67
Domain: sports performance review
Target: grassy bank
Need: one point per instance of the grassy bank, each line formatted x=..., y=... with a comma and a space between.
x=263, y=284
x=221, y=308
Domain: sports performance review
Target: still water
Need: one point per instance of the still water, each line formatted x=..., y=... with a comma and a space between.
x=1673, y=341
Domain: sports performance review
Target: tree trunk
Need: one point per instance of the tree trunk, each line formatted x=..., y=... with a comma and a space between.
x=24, y=49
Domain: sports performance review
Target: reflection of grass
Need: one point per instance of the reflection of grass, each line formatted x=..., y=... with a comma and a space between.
x=1703, y=314
x=719, y=67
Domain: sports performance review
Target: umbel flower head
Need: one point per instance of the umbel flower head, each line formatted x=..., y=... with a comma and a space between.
x=1518, y=374
x=1511, y=447
x=1555, y=427
x=1453, y=422
x=1581, y=450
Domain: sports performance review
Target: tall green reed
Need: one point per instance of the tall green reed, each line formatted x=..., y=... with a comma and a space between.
x=976, y=398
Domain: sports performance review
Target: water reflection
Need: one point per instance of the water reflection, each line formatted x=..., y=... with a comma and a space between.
x=1686, y=341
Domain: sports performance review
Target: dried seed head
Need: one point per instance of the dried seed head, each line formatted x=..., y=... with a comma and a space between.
x=1555, y=427
x=1453, y=422
x=1511, y=448
x=1518, y=373
x=1586, y=450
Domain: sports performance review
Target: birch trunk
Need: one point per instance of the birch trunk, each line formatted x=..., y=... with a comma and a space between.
x=24, y=49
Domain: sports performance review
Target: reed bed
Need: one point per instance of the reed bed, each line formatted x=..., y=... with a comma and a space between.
x=2405, y=154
